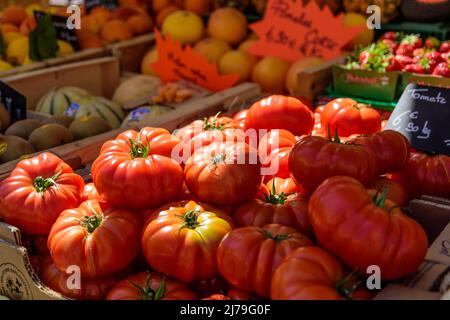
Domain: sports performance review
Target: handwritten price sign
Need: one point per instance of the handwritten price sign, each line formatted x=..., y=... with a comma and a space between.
x=291, y=31
x=176, y=63
x=423, y=115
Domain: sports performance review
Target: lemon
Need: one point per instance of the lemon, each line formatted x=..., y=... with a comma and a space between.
x=65, y=48
x=27, y=61
x=17, y=50
x=32, y=7
x=5, y=66
x=11, y=36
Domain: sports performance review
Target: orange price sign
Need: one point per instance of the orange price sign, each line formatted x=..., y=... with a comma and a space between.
x=176, y=63
x=291, y=31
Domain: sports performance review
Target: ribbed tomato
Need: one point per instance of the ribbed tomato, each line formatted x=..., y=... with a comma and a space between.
x=100, y=242
x=363, y=230
x=280, y=112
x=150, y=286
x=248, y=256
x=135, y=170
x=274, y=149
x=182, y=241
x=390, y=149
x=394, y=191
x=350, y=117
x=425, y=175
x=289, y=210
x=90, y=193
x=223, y=173
x=314, y=159
x=89, y=289
x=240, y=118
x=36, y=192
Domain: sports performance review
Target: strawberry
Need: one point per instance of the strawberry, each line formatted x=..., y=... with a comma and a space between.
x=434, y=55
x=442, y=69
x=394, y=64
x=363, y=57
x=445, y=56
x=432, y=43
x=390, y=35
x=415, y=68
x=403, y=60
x=420, y=52
x=389, y=44
x=445, y=47
x=405, y=50
x=412, y=39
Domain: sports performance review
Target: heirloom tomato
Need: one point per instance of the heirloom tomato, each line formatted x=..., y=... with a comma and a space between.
x=425, y=175
x=240, y=118
x=364, y=230
x=350, y=117
x=36, y=192
x=394, y=191
x=390, y=148
x=90, y=193
x=224, y=173
x=100, y=242
x=182, y=241
x=280, y=112
x=314, y=159
x=150, y=286
x=286, y=186
x=135, y=170
x=248, y=256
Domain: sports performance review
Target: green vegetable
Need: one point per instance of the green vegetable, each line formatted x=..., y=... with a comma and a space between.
x=43, y=42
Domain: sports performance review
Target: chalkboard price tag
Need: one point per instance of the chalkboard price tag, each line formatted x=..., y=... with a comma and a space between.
x=423, y=115
x=109, y=4
x=62, y=31
x=15, y=103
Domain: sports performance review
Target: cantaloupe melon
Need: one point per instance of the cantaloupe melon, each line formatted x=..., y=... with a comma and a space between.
x=135, y=88
x=99, y=106
x=57, y=100
x=136, y=116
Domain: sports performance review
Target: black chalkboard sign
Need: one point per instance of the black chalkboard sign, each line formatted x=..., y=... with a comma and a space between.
x=15, y=103
x=110, y=4
x=62, y=31
x=423, y=115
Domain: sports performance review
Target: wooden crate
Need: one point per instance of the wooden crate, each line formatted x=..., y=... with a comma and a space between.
x=131, y=52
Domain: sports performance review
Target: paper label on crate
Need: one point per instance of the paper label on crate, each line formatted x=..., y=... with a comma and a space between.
x=176, y=63
x=137, y=114
x=14, y=102
x=291, y=31
x=72, y=109
x=439, y=251
x=423, y=115
x=62, y=31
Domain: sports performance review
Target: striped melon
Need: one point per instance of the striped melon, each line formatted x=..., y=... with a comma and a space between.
x=56, y=101
x=98, y=106
x=139, y=116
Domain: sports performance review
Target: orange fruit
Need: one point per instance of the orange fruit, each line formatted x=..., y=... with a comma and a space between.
x=8, y=27
x=159, y=5
x=92, y=23
x=101, y=11
x=237, y=62
x=88, y=40
x=149, y=58
x=247, y=44
x=115, y=31
x=140, y=24
x=296, y=68
x=14, y=14
x=212, y=49
x=164, y=13
x=270, y=73
x=184, y=26
x=200, y=7
x=228, y=24
x=28, y=25
x=365, y=37
x=123, y=13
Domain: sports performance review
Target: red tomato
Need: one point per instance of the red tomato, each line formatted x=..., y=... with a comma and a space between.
x=274, y=149
x=363, y=230
x=182, y=241
x=90, y=193
x=395, y=192
x=223, y=174
x=390, y=148
x=350, y=117
x=217, y=297
x=208, y=287
x=240, y=118
x=290, y=210
x=36, y=192
x=134, y=171
x=238, y=294
x=248, y=256
x=280, y=112
x=150, y=286
x=90, y=289
x=425, y=175
x=286, y=186
x=314, y=159
x=100, y=242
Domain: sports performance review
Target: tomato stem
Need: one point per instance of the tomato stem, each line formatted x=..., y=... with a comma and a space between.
x=275, y=198
x=92, y=222
x=138, y=149
x=41, y=184
x=346, y=286
x=218, y=158
x=214, y=124
x=191, y=219
x=147, y=293
x=336, y=135
x=380, y=199
x=278, y=238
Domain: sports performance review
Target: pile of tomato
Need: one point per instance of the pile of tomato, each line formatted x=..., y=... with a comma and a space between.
x=207, y=224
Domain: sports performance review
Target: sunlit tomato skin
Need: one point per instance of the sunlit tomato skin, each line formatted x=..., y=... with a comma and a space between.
x=280, y=185
x=425, y=175
x=90, y=289
x=248, y=256
x=100, y=242
x=36, y=192
x=314, y=159
x=274, y=149
x=240, y=118
x=138, y=174
x=390, y=148
x=182, y=242
x=350, y=117
x=90, y=193
x=395, y=192
x=223, y=174
x=150, y=286
x=346, y=218
x=217, y=297
x=280, y=112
